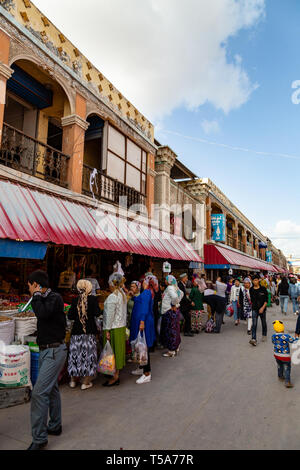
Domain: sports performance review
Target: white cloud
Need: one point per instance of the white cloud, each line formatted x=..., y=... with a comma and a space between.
x=210, y=127
x=163, y=54
x=289, y=237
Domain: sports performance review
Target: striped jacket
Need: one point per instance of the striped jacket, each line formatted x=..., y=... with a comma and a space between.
x=281, y=343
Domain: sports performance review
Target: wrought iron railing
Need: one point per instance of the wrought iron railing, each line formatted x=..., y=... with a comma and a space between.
x=26, y=154
x=231, y=241
x=241, y=246
x=102, y=187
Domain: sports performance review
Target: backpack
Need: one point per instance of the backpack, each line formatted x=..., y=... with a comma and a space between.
x=210, y=325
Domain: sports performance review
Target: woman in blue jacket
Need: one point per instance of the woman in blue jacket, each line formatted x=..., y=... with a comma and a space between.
x=142, y=319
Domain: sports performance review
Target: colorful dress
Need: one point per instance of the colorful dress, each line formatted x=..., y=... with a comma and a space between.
x=114, y=321
x=197, y=298
x=170, y=323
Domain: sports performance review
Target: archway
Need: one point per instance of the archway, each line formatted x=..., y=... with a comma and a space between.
x=32, y=131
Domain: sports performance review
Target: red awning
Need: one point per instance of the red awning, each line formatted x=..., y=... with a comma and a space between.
x=279, y=269
x=218, y=255
x=31, y=215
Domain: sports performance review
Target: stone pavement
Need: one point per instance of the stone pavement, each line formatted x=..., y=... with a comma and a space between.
x=219, y=393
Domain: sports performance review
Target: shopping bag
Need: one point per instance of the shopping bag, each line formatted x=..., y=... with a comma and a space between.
x=107, y=361
x=141, y=350
x=229, y=310
x=210, y=326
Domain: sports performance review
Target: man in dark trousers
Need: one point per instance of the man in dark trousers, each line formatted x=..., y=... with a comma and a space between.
x=185, y=305
x=259, y=300
x=51, y=330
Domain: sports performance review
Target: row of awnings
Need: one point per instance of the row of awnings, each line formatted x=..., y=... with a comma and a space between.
x=219, y=257
x=30, y=215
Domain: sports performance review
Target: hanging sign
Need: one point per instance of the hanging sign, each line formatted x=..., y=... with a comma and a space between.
x=167, y=267
x=218, y=227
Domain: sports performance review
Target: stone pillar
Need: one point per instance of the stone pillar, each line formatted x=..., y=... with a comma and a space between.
x=164, y=161
x=200, y=194
x=208, y=219
x=235, y=232
x=151, y=175
x=257, y=248
x=251, y=249
x=5, y=73
x=74, y=128
x=244, y=240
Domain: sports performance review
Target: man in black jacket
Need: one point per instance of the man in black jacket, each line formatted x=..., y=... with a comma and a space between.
x=51, y=330
x=185, y=305
x=259, y=300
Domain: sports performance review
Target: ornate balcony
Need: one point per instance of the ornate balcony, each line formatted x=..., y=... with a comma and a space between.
x=231, y=241
x=23, y=153
x=100, y=186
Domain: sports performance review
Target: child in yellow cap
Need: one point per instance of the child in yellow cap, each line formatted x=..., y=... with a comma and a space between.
x=282, y=353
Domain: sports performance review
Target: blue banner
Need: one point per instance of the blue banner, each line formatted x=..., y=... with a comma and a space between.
x=25, y=250
x=269, y=256
x=218, y=227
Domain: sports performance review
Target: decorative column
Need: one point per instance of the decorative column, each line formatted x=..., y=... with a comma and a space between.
x=164, y=161
x=257, y=248
x=208, y=219
x=244, y=240
x=199, y=192
x=151, y=175
x=235, y=232
x=74, y=128
x=5, y=73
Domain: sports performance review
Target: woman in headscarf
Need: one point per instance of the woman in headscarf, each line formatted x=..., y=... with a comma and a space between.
x=196, y=297
x=114, y=324
x=135, y=290
x=82, y=360
x=142, y=319
x=170, y=324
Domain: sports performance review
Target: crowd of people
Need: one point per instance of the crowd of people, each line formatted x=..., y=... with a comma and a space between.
x=160, y=311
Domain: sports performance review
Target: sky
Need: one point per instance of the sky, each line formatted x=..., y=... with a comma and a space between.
x=216, y=78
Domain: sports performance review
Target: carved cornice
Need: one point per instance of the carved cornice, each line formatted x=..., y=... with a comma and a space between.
x=165, y=156
x=74, y=119
x=5, y=71
x=196, y=188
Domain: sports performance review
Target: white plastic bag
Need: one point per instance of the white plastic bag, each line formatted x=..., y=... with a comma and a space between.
x=107, y=361
x=14, y=366
x=141, y=350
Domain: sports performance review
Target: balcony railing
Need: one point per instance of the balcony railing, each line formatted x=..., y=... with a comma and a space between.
x=241, y=246
x=231, y=241
x=23, y=153
x=102, y=187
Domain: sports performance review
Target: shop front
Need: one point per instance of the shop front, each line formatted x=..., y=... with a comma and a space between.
x=39, y=230
x=223, y=260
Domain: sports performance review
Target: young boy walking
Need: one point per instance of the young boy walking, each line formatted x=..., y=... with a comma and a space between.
x=282, y=353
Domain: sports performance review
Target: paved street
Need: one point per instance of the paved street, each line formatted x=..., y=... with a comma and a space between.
x=219, y=393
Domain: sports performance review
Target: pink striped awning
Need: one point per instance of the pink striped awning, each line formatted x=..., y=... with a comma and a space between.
x=31, y=215
x=216, y=255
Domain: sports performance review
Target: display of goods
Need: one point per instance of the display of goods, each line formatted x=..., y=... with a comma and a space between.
x=7, y=330
x=5, y=319
x=107, y=361
x=5, y=305
x=25, y=314
x=15, y=366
